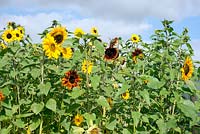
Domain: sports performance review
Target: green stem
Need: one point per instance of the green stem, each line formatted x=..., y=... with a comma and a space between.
x=41, y=123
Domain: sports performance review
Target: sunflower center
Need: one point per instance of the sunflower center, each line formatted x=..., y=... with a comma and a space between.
x=94, y=131
x=58, y=38
x=95, y=31
x=72, y=79
x=186, y=69
x=53, y=47
x=110, y=52
x=134, y=38
x=9, y=36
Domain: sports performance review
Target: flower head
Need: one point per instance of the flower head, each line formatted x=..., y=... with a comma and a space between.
x=78, y=32
x=3, y=45
x=8, y=35
x=111, y=53
x=110, y=101
x=187, y=69
x=21, y=29
x=71, y=79
x=94, y=31
x=87, y=66
x=94, y=129
x=59, y=34
x=126, y=95
x=137, y=54
x=66, y=52
x=18, y=35
x=135, y=38
x=2, y=97
x=78, y=119
x=52, y=50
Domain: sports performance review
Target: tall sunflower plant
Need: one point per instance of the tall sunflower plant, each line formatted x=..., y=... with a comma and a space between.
x=74, y=82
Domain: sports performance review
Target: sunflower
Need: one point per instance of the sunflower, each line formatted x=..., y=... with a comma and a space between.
x=52, y=50
x=78, y=119
x=94, y=129
x=126, y=95
x=3, y=45
x=87, y=66
x=2, y=97
x=187, y=69
x=8, y=35
x=78, y=32
x=137, y=53
x=71, y=79
x=21, y=29
x=94, y=31
x=135, y=38
x=59, y=34
x=111, y=53
x=110, y=101
x=18, y=35
x=66, y=52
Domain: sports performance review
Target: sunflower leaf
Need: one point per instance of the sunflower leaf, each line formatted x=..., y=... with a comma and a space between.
x=51, y=104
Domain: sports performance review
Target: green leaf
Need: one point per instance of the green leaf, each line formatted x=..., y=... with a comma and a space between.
x=95, y=81
x=37, y=107
x=99, y=46
x=171, y=123
x=162, y=126
x=119, y=77
x=6, y=130
x=35, y=73
x=6, y=91
x=123, y=89
x=136, y=117
x=76, y=92
x=103, y=102
x=125, y=131
x=111, y=125
x=19, y=123
x=24, y=115
x=191, y=85
x=65, y=124
x=34, y=125
x=190, y=48
x=44, y=88
x=145, y=95
x=89, y=118
x=51, y=104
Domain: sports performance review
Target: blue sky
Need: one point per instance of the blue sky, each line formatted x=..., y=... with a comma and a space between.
x=113, y=18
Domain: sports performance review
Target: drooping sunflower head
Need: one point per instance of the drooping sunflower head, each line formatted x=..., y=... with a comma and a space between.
x=187, y=69
x=18, y=35
x=71, y=79
x=137, y=54
x=126, y=95
x=2, y=97
x=94, y=31
x=8, y=35
x=87, y=66
x=78, y=119
x=66, y=52
x=94, y=129
x=78, y=32
x=135, y=38
x=59, y=34
x=52, y=50
x=111, y=53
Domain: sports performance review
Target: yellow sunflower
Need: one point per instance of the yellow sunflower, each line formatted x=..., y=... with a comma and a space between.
x=71, y=79
x=18, y=35
x=78, y=32
x=126, y=95
x=87, y=66
x=8, y=35
x=3, y=45
x=94, y=31
x=78, y=119
x=94, y=129
x=66, y=52
x=59, y=34
x=135, y=38
x=52, y=50
x=110, y=101
x=187, y=69
x=21, y=29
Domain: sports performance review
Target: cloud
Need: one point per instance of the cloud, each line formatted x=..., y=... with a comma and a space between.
x=195, y=45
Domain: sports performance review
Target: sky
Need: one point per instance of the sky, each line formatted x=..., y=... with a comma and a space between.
x=113, y=18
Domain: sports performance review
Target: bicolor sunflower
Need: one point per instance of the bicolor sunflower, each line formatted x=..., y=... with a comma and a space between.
x=18, y=35
x=111, y=53
x=2, y=97
x=187, y=69
x=71, y=79
x=94, y=31
x=66, y=52
x=126, y=95
x=78, y=119
x=87, y=66
x=8, y=35
x=94, y=129
x=137, y=54
x=78, y=32
x=59, y=34
x=52, y=50
x=135, y=38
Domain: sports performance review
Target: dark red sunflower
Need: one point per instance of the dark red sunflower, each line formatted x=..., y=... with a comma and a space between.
x=71, y=79
x=111, y=53
x=137, y=53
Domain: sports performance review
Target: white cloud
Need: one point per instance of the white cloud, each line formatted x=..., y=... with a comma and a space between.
x=195, y=45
